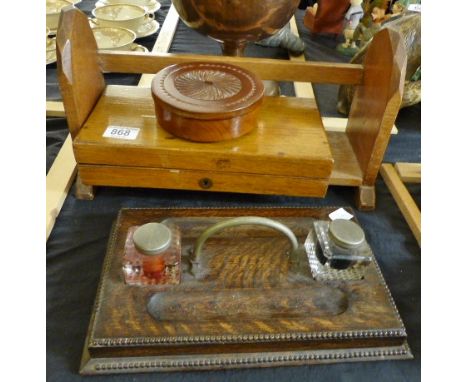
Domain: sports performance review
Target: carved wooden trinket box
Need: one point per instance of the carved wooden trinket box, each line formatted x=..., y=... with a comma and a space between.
x=207, y=102
x=246, y=298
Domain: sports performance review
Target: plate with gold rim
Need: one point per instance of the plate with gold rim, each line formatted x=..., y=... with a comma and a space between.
x=114, y=38
x=134, y=47
x=151, y=6
x=137, y=48
x=147, y=29
x=144, y=30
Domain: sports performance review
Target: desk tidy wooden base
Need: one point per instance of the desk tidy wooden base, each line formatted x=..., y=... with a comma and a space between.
x=274, y=319
x=288, y=153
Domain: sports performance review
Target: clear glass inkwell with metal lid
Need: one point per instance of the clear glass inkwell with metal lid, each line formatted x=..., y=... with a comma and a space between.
x=342, y=243
x=152, y=255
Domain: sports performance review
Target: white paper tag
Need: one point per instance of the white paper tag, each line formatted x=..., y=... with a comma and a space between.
x=120, y=132
x=414, y=7
x=340, y=213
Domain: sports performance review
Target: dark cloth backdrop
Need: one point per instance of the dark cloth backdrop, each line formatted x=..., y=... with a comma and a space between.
x=76, y=247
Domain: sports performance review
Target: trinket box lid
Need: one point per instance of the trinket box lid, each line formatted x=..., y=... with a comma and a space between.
x=207, y=90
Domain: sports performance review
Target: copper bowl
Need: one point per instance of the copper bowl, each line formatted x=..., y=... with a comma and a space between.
x=235, y=22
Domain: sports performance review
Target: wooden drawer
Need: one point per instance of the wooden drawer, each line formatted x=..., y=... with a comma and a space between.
x=101, y=175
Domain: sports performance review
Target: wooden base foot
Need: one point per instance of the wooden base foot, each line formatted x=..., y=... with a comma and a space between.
x=365, y=198
x=83, y=191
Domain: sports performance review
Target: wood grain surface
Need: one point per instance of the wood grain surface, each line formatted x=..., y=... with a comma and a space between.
x=346, y=170
x=247, y=304
x=409, y=172
x=121, y=325
x=289, y=140
x=170, y=178
x=403, y=199
x=80, y=79
x=292, y=143
x=265, y=68
x=58, y=182
x=235, y=23
x=55, y=109
x=207, y=102
x=377, y=101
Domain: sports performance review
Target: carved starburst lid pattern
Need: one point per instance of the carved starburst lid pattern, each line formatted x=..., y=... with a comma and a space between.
x=207, y=89
x=208, y=85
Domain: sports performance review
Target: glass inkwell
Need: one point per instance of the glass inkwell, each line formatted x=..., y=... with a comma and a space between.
x=152, y=255
x=342, y=244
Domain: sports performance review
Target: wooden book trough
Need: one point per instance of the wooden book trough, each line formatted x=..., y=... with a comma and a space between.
x=289, y=153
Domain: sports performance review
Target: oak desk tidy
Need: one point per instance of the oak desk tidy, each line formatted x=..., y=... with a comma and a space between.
x=288, y=153
x=245, y=289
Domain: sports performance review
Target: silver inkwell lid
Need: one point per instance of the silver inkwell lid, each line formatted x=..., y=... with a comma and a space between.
x=152, y=238
x=349, y=241
x=346, y=233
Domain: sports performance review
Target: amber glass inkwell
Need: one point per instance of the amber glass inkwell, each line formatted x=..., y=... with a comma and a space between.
x=152, y=255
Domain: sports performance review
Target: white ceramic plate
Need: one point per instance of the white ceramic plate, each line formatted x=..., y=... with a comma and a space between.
x=113, y=37
x=53, y=9
x=55, y=6
x=137, y=48
x=118, y=12
x=152, y=6
x=144, y=30
x=147, y=29
x=134, y=47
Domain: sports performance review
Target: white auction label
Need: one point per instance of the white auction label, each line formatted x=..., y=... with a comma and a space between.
x=414, y=7
x=340, y=213
x=120, y=132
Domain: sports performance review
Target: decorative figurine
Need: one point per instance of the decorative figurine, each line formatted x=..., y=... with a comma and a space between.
x=397, y=9
x=326, y=16
x=371, y=23
x=310, y=16
x=352, y=18
x=285, y=39
x=408, y=25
